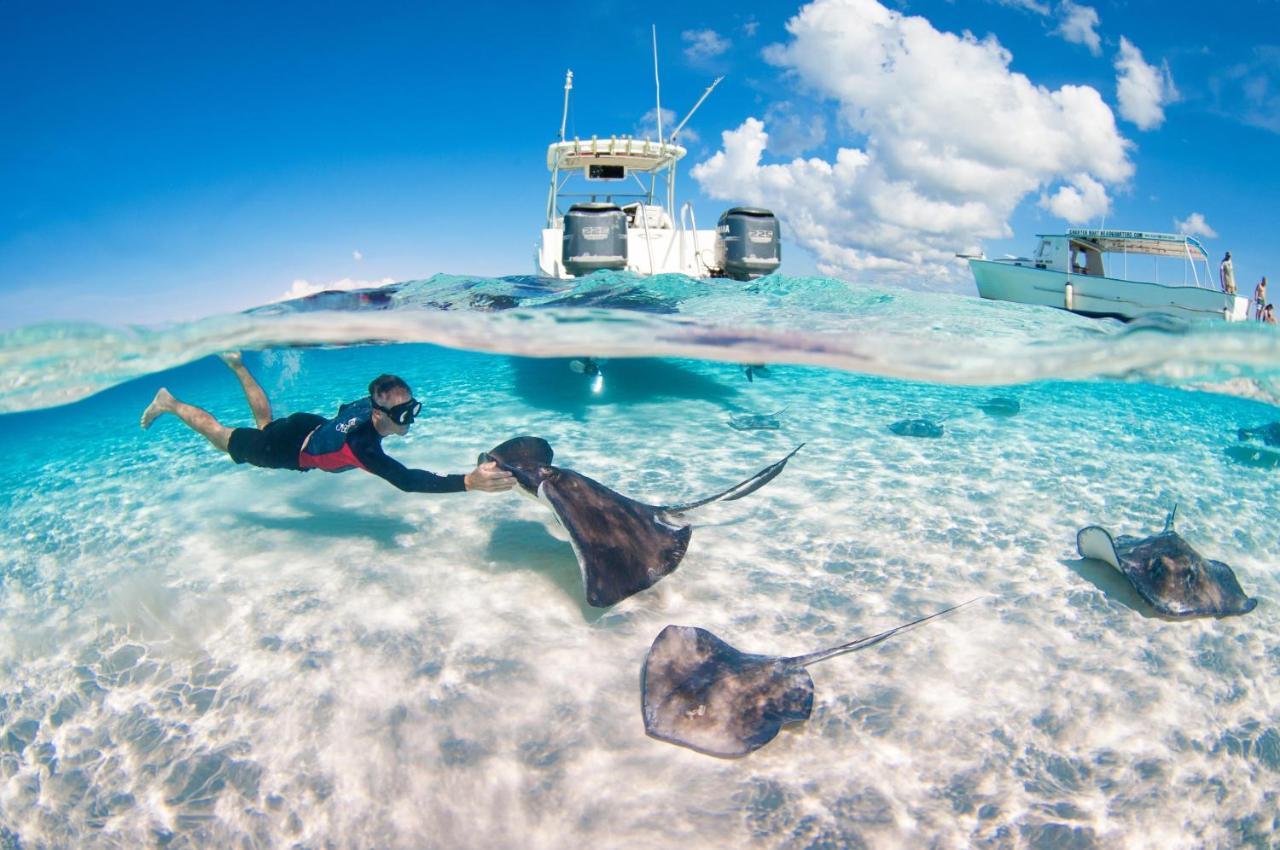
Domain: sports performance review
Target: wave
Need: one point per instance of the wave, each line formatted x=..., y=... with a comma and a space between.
x=904, y=334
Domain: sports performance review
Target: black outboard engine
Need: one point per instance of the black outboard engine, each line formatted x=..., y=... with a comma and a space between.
x=747, y=243
x=595, y=237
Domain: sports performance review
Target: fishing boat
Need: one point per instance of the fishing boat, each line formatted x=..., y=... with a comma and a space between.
x=621, y=212
x=1122, y=274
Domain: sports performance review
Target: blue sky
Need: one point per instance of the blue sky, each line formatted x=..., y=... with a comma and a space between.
x=170, y=161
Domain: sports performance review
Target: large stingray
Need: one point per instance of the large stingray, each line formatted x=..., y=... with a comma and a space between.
x=701, y=693
x=1168, y=573
x=623, y=546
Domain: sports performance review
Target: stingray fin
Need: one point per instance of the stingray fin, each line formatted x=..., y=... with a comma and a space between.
x=742, y=488
x=1095, y=542
x=1168, y=521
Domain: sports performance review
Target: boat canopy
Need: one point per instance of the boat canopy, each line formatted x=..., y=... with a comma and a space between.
x=642, y=155
x=1138, y=242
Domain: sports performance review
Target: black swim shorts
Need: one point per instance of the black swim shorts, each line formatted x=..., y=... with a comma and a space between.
x=276, y=446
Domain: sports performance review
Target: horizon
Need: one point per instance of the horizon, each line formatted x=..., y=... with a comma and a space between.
x=172, y=164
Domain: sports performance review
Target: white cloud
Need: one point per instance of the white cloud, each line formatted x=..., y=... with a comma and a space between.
x=944, y=143
x=1083, y=200
x=703, y=45
x=648, y=128
x=750, y=27
x=302, y=288
x=1029, y=5
x=357, y=256
x=1079, y=25
x=1195, y=225
x=1142, y=90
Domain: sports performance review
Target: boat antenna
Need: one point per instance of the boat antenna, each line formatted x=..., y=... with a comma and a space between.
x=680, y=126
x=657, y=84
x=568, y=84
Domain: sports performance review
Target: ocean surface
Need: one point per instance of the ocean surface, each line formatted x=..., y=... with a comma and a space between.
x=200, y=654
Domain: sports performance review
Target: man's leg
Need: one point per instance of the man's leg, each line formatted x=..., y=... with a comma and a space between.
x=200, y=421
x=258, y=402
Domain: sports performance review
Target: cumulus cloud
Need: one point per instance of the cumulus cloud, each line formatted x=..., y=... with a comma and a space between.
x=703, y=45
x=943, y=143
x=1084, y=199
x=1195, y=225
x=648, y=128
x=1142, y=90
x=1079, y=25
x=302, y=288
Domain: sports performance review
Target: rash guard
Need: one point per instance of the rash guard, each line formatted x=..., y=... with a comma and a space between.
x=349, y=441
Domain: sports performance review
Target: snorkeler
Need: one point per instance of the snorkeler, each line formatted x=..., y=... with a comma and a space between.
x=303, y=441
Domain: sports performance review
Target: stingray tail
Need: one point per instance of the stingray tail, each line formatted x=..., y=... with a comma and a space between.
x=872, y=640
x=737, y=491
x=1173, y=515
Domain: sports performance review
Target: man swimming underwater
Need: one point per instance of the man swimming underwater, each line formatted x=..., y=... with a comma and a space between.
x=350, y=440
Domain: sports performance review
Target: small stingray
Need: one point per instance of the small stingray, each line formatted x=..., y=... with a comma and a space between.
x=917, y=428
x=750, y=370
x=1000, y=405
x=1168, y=573
x=623, y=546
x=1269, y=433
x=701, y=693
x=757, y=421
x=1254, y=456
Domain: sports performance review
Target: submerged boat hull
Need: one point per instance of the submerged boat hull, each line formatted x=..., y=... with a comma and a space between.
x=1101, y=296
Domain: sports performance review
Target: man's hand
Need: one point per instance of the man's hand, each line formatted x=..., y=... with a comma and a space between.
x=489, y=478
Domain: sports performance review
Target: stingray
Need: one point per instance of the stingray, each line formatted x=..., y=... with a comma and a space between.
x=1269, y=433
x=757, y=421
x=916, y=428
x=1254, y=456
x=623, y=546
x=1000, y=405
x=701, y=693
x=1168, y=573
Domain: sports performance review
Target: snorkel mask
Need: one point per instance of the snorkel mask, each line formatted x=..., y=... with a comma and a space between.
x=402, y=413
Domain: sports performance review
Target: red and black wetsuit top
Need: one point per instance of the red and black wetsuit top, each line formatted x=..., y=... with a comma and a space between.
x=349, y=441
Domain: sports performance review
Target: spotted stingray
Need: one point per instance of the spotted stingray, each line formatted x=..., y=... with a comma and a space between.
x=701, y=693
x=1168, y=573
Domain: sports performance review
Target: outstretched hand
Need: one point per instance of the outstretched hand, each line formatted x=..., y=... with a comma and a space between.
x=488, y=478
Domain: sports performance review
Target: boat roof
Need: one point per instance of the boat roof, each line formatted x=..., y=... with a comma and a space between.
x=1140, y=242
x=634, y=154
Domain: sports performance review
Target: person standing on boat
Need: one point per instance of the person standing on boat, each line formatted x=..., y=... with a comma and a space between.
x=1227, y=274
x=350, y=440
x=1260, y=298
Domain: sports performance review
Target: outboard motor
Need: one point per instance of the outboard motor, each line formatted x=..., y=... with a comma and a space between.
x=747, y=243
x=595, y=237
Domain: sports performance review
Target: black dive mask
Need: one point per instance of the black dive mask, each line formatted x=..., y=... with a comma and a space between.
x=402, y=413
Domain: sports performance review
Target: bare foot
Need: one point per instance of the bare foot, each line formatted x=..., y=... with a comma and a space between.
x=232, y=359
x=162, y=403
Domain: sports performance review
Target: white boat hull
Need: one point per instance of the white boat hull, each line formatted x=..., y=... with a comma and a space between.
x=656, y=251
x=1102, y=296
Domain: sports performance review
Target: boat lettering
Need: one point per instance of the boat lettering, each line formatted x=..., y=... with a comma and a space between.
x=595, y=232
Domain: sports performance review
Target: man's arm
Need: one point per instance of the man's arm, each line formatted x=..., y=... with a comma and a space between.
x=368, y=450
x=486, y=477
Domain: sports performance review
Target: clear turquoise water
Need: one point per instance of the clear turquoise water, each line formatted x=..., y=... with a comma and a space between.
x=195, y=654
